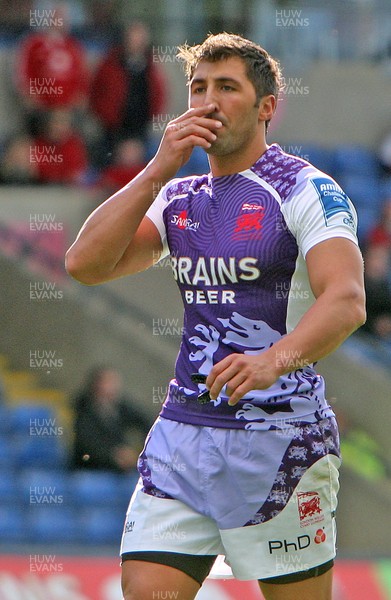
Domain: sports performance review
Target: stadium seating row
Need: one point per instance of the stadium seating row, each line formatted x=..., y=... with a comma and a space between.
x=41, y=500
x=77, y=507
x=55, y=524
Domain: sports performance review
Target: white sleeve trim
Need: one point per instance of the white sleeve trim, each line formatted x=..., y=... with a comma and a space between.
x=155, y=214
x=319, y=210
x=329, y=236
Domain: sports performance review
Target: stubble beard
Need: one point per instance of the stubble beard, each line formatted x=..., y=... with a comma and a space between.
x=231, y=142
x=228, y=144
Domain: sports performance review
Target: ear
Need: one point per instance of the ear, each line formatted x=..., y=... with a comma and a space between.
x=267, y=107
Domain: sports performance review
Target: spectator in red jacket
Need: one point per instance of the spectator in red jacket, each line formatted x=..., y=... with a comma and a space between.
x=128, y=161
x=51, y=71
x=128, y=88
x=60, y=153
x=380, y=235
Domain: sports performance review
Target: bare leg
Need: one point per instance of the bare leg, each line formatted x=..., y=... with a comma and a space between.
x=316, y=588
x=142, y=580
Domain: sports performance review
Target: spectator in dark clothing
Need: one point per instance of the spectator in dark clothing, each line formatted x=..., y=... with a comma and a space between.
x=378, y=292
x=16, y=166
x=128, y=88
x=109, y=431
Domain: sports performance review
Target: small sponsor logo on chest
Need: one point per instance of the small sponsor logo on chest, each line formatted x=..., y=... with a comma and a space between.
x=248, y=224
x=182, y=221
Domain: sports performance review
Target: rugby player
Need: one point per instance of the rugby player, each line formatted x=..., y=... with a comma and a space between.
x=243, y=459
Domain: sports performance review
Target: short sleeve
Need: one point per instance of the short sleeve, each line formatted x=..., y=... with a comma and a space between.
x=155, y=214
x=318, y=209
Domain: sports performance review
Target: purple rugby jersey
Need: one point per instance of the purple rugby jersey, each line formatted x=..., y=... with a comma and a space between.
x=238, y=245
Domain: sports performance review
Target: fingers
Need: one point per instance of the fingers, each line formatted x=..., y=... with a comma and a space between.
x=200, y=111
x=193, y=132
x=194, y=123
x=193, y=128
x=226, y=372
x=240, y=374
x=239, y=392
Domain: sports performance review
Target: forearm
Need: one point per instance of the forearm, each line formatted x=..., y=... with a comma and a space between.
x=107, y=245
x=330, y=320
x=105, y=236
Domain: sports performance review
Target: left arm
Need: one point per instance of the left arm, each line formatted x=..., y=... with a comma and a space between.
x=335, y=269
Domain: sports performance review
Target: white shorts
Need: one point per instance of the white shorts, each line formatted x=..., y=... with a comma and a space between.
x=266, y=500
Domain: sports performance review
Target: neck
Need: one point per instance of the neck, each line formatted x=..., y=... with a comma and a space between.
x=238, y=161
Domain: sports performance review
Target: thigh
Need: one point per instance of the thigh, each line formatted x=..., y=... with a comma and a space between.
x=143, y=580
x=298, y=538
x=155, y=524
x=316, y=587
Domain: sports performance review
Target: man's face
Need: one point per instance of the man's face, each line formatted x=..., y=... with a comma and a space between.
x=225, y=84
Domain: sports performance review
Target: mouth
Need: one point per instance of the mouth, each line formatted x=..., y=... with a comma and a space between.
x=216, y=117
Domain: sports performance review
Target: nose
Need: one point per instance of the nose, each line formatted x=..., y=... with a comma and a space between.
x=208, y=96
x=211, y=98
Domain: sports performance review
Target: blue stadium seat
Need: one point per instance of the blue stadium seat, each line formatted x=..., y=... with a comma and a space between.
x=365, y=193
x=7, y=454
x=25, y=417
x=351, y=159
x=52, y=523
x=12, y=524
x=39, y=486
x=101, y=525
x=9, y=488
x=4, y=420
x=367, y=219
x=126, y=485
x=96, y=488
x=37, y=451
x=322, y=158
x=363, y=190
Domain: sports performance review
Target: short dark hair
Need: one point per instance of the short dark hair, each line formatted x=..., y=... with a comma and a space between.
x=262, y=69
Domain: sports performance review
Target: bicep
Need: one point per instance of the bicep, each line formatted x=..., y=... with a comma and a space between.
x=143, y=251
x=335, y=263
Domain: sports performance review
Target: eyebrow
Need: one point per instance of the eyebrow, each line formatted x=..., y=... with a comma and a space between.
x=217, y=79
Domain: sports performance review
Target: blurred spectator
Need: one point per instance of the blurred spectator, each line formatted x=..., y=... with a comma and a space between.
x=385, y=153
x=128, y=88
x=109, y=431
x=104, y=17
x=129, y=160
x=51, y=70
x=16, y=166
x=15, y=15
x=378, y=292
x=60, y=153
x=381, y=233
